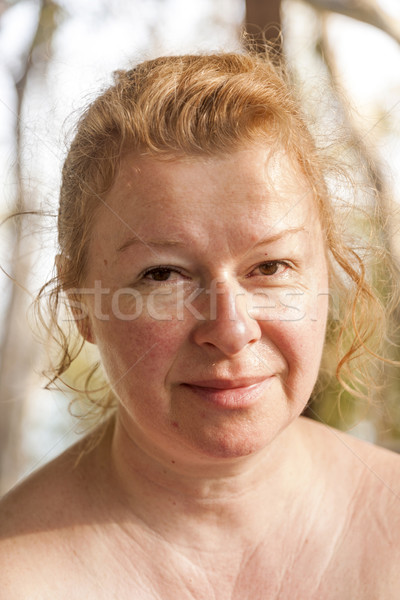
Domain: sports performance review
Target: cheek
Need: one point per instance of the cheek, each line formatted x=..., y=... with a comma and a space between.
x=138, y=352
x=299, y=336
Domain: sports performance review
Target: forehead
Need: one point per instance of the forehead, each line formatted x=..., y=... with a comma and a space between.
x=213, y=204
x=250, y=182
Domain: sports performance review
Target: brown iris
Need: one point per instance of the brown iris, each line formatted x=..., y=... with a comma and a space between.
x=269, y=268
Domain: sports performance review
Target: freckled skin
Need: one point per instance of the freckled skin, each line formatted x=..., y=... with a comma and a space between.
x=216, y=210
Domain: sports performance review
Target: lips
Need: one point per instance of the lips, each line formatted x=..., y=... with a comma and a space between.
x=228, y=393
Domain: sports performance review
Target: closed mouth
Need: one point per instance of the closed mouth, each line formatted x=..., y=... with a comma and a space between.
x=230, y=394
x=228, y=384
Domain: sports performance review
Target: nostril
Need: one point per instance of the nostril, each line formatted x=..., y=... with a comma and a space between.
x=229, y=327
x=230, y=337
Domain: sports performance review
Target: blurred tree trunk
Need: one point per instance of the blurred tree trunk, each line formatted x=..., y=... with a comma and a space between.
x=263, y=22
x=263, y=17
x=17, y=350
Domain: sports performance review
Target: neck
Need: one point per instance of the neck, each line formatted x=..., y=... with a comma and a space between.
x=200, y=501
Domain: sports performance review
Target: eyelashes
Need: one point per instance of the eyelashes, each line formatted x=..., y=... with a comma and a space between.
x=272, y=267
x=166, y=273
x=162, y=273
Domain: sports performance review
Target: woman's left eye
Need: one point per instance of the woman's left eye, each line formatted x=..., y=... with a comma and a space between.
x=270, y=268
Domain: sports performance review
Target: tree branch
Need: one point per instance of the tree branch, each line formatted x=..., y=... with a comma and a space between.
x=366, y=11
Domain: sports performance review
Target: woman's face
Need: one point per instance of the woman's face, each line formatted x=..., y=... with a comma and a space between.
x=207, y=294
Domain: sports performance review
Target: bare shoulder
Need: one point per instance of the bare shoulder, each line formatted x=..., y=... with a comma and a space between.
x=364, y=484
x=378, y=467
x=38, y=519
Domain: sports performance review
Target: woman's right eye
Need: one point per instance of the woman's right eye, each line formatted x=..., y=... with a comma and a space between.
x=161, y=274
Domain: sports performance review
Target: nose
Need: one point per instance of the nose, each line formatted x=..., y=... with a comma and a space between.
x=228, y=326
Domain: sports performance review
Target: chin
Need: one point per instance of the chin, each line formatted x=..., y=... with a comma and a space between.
x=232, y=444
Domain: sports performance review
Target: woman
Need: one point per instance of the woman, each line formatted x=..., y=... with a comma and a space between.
x=198, y=251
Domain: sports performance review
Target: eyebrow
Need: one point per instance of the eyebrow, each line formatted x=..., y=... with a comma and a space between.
x=279, y=235
x=158, y=243
x=132, y=241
